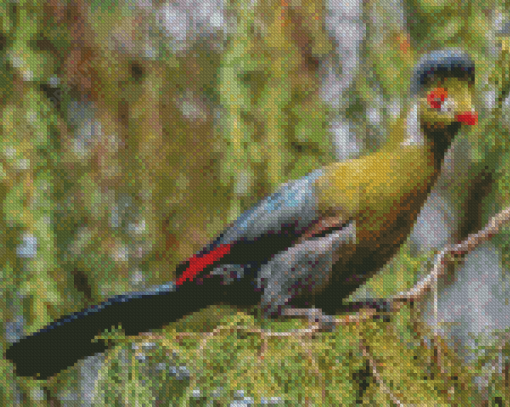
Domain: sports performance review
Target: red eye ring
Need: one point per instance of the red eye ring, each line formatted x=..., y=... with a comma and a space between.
x=436, y=96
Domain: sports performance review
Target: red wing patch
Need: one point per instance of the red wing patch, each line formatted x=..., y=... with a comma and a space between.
x=197, y=264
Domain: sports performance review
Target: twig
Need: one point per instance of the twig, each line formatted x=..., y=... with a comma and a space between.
x=449, y=254
x=377, y=376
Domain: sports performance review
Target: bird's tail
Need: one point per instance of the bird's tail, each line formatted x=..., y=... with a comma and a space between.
x=62, y=343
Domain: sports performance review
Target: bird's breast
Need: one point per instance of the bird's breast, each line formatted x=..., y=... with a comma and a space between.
x=386, y=227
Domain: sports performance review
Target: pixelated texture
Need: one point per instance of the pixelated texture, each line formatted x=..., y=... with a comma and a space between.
x=133, y=132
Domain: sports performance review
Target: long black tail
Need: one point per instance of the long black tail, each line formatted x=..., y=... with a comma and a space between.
x=65, y=341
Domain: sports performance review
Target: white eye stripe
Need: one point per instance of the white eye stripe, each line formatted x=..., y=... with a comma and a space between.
x=447, y=106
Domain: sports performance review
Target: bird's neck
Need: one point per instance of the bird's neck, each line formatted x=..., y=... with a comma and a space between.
x=420, y=135
x=441, y=140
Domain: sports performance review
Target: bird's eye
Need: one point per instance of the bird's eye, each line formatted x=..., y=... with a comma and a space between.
x=436, y=97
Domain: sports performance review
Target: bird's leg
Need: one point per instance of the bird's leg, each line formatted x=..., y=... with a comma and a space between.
x=382, y=308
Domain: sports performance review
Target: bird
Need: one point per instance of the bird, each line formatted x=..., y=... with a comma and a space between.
x=309, y=245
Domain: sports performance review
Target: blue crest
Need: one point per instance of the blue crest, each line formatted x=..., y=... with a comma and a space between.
x=450, y=62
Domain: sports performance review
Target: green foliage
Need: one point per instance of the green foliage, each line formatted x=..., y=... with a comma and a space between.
x=109, y=6
x=28, y=205
x=491, y=152
x=266, y=130
x=237, y=360
x=273, y=127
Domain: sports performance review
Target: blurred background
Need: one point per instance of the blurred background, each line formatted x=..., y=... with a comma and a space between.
x=133, y=131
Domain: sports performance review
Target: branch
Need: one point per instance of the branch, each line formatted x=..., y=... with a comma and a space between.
x=452, y=253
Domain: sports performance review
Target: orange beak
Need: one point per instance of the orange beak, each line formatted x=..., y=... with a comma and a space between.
x=470, y=118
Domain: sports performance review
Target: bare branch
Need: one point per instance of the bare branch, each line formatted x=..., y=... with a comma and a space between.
x=452, y=253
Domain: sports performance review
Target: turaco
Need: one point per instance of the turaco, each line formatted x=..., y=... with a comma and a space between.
x=309, y=244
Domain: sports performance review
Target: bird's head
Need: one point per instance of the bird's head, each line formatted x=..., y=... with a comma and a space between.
x=443, y=82
x=445, y=102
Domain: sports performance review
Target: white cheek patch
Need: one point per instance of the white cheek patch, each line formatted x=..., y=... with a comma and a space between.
x=448, y=106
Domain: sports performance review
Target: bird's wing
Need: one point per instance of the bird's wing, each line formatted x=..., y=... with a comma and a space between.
x=272, y=226
x=304, y=268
